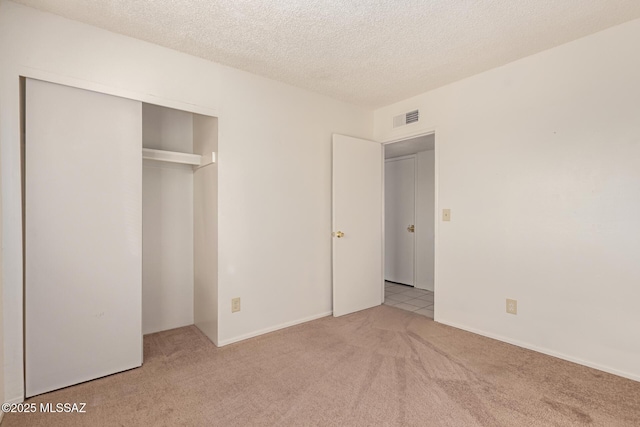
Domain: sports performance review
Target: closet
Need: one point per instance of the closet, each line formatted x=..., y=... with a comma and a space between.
x=120, y=233
x=179, y=224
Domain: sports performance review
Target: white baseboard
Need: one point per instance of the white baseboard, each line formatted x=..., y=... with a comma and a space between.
x=15, y=400
x=542, y=350
x=427, y=287
x=273, y=328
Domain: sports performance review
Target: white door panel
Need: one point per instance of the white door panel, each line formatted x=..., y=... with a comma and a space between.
x=82, y=236
x=357, y=212
x=399, y=194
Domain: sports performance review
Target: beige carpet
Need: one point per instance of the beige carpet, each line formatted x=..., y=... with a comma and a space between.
x=382, y=366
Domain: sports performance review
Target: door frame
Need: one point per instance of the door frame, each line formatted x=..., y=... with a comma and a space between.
x=436, y=230
x=415, y=212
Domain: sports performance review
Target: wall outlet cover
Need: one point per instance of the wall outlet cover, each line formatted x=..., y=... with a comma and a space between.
x=512, y=306
x=235, y=305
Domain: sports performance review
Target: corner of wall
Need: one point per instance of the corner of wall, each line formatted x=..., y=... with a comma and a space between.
x=1, y=318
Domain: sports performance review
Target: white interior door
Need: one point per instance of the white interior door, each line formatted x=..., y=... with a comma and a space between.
x=357, y=224
x=399, y=219
x=83, y=169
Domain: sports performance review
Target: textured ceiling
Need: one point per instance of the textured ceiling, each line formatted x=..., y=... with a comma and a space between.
x=367, y=52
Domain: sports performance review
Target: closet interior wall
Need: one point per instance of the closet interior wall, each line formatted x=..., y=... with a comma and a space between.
x=167, y=222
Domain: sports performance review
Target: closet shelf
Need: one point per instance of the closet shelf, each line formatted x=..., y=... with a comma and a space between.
x=171, y=156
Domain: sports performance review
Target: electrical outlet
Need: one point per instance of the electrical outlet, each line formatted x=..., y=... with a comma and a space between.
x=512, y=306
x=446, y=214
x=235, y=305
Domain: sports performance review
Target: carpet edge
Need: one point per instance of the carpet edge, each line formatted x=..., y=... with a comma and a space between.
x=274, y=328
x=582, y=362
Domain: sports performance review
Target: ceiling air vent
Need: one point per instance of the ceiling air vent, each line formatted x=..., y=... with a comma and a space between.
x=405, y=119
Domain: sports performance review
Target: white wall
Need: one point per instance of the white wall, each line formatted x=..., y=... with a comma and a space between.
x=167, y=222
x=275, y=202
x=274, y=166
x=538, y=161
x=425, y=201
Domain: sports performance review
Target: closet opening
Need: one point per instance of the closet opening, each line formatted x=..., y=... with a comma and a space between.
x=409, y=224
x=119, y=230
x=179, y=224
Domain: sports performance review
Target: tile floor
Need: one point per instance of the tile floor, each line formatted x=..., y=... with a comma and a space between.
x=409, y=298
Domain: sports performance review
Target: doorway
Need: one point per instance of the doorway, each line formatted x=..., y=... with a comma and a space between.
x=409, y=207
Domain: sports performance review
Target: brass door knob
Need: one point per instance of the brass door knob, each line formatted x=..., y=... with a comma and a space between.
x=411, y=229
x=338, y=234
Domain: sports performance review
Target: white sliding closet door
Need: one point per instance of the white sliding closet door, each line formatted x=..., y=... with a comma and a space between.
x=83, y=170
